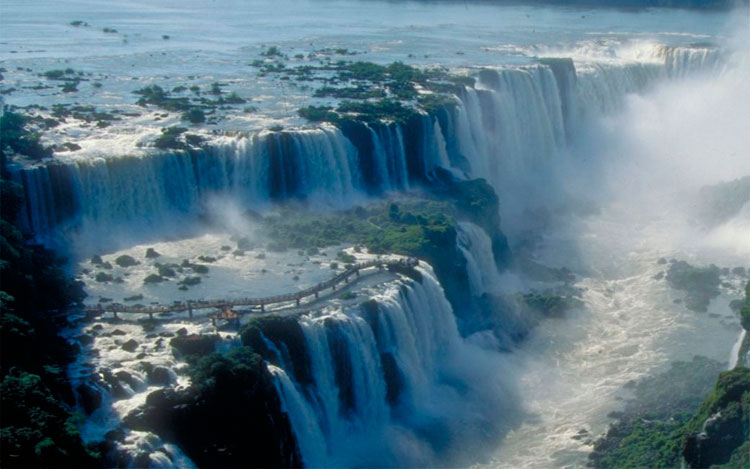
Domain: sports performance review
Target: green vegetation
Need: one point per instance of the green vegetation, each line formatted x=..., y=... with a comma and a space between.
x=650, y=432
x=547, y=304
x=38, y=427
x=356, y=92
x=156, y=95
x=38, y=430
x=701, y=284
x=15, y=137
x=396, y=87
x=236, y=383
x=661, y=427
x=272, y=51
x=422, y=227
x=720, y=431
x=194, y=116
x=413, y=226
x=745, y=309
x=175, y=138
x=318, y=113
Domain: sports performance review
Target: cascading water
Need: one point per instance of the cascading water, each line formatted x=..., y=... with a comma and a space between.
x=510, y=124
x=394, y=367
x=476, y=247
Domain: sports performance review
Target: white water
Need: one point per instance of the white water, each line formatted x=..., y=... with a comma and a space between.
x=476, y=247
x=572, y=369
x=508, y=130
x=657, y=152
x=446, y=401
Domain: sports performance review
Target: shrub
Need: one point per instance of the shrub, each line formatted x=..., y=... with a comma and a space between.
x=15, y=135
x=194, y=116
x=318, y=114
x=169, y=138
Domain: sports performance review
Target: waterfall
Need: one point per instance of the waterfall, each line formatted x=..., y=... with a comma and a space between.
x=386, y=381
x=512, y=123
x=476, y=247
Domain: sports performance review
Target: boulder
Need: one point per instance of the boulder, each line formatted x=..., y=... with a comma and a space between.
x=130, y=346
x=194, y=344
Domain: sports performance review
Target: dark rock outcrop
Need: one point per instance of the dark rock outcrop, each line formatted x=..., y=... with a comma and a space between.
x=230, y=417
x=194, y=344
x=722, y=425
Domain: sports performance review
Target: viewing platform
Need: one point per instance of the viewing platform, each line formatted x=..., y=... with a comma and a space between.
x=227, y=307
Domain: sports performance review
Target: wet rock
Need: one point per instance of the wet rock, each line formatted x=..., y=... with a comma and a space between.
x=126, y=261
x=102, y=277
x=130, y=346
x=661, y=261
x=115, y=388
x=142, y=459
x=117, y=434
x=152, y=254
x=166, y=334
x=194, y=344
x=188, y=417
x=89, y=397
x=658, y=276
x=182, y=332
x=141, y=355
x=85, y=339
x=160, y=375
x=701, y=284
x=128, y=379
x=119, y=332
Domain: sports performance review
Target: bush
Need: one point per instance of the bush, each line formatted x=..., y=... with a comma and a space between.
x=194, y=116
x=14, y=134
x=169, y=138
x=318, y=114
x=38, y=431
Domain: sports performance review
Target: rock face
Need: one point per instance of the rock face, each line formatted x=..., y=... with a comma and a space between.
x=230, y=417
x=701, y=284
x=720, y=432
x=90, y=397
